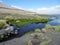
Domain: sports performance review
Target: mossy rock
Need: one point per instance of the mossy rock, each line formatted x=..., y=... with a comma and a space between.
x=44, y=30
x=46, y=42
x=3, y=24
x=9, y=18
x=37, y=30
x=42, y=43
x=39, y=39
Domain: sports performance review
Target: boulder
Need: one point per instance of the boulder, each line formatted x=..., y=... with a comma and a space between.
x=37, y=38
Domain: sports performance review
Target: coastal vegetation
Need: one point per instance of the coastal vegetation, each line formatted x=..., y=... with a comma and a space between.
x=50, y=27
x=43, y=43
x=25, y=21
x=3, y=24
x=39, y=38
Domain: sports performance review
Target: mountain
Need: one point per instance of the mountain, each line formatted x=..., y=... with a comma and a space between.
x=7, y=10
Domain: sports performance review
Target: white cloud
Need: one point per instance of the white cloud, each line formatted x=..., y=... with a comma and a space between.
x=16, y=7
x=31, y=10
x=45, y=10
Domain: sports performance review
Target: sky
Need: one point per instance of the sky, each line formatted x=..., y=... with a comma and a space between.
x=39, y=6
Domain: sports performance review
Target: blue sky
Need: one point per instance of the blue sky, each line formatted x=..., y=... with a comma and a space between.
x=34, y=5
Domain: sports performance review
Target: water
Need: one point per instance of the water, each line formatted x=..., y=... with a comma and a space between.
x=55, y=21
x=32, y=27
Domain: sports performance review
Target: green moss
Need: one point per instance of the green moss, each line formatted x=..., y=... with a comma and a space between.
x=55, y=28
x=9, y=18
x=3, y=24
x=29, y=43
x=37, y=30
x=44, y=30
x=25, y=21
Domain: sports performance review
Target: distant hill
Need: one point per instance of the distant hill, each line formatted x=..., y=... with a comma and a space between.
x=7, y=10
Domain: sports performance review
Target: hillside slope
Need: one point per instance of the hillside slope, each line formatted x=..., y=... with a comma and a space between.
x=7, y=10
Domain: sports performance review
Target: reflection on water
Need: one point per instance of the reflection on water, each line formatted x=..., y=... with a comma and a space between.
x=54, y=23
x=56, y=20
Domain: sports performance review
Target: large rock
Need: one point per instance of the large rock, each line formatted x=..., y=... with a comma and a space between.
x=37, y=38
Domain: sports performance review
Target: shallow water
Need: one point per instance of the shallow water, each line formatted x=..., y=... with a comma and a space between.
x=30, y=27
x=55, y=21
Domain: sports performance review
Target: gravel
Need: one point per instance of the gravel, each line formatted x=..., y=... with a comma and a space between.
x=17, y=41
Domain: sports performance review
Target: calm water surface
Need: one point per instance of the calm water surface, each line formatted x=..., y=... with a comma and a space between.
x=55, y=21
x=32, y=27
